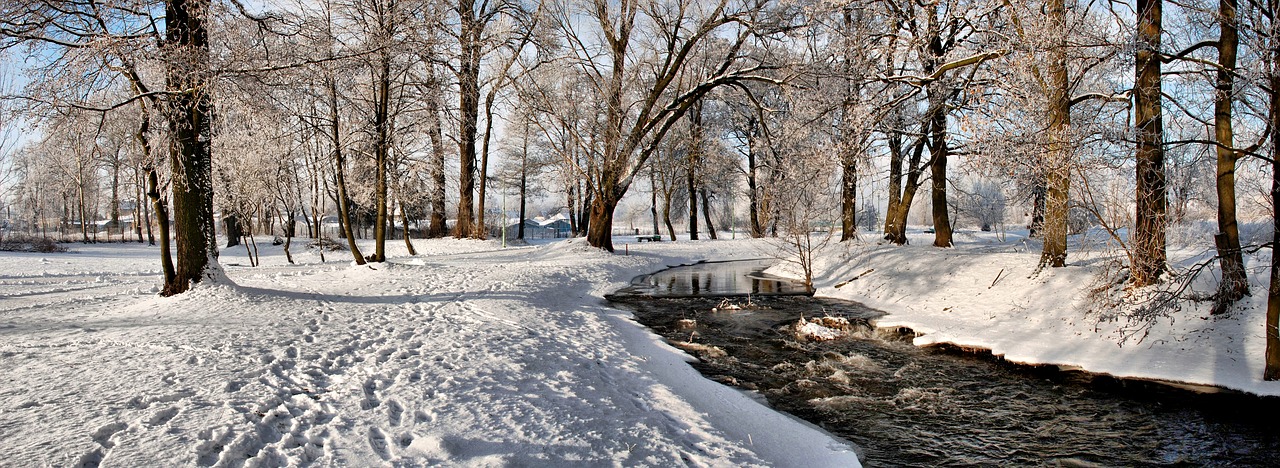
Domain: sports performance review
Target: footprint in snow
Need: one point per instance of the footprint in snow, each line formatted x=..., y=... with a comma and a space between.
x=103, y=435
x=395, y=412
x=378, y=442
x=163, y=416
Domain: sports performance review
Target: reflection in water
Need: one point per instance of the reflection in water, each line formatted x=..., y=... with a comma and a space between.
x=906, y=406
x=723, y=278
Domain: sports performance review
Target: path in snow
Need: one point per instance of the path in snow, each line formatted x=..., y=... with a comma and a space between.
x=491, y=358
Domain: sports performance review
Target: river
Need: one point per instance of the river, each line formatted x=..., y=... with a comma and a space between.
x=909, y=406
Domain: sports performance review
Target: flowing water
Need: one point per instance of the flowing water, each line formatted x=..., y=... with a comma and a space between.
x=908, y=406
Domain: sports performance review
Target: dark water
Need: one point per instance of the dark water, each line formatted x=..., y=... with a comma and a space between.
x=907, y=406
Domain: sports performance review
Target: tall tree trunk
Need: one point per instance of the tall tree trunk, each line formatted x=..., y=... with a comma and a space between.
x=404, y=219
x=848, y=195
x=115, y=197
x=693, y=200
x=653, y=196
x=584, y=216
x=289, y=225
x=524, y=179
x=753, y=188
x=138, y=204
x=83, y=212
x=891, y=230
x=1272, y=366
x=1235, y=283
x=190, y=108
x=480, y=231
x=153, y=194
x=1058, y=169
x=666, y=214
x=938, y=150
x=573, y=208
x=1149, y=260
x=234, y=231
x=706, y=212
x=600, y=226
x=162, y=221
x=437, y=228
x=468, y=114
x=317, y=199
x=339, y=176
x=382, y=155
x=941, y=220
x=850, y=145
x=1038, y=193
x=691, y=166
x=896, y=218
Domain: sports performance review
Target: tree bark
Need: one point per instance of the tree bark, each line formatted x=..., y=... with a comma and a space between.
x=468, y=114
x=1235, y=282
x=524, y=180
x=666, y=214
x=848, y=196
x=600, y=228
x=162, y=222
x=850, y=144
x=339, y=176
x=1036, y=228
x=753, y=188
x=896, y=219
x=231, y=223
x=115, y=197
x=941, y=220
x=1149, y=258
x=572, y=202
x=1058, y=169
x=653, y=196
x=437, y=228
x=404, y=219
x=938, y=150
x=691, y=166
x=1272, y=366
x=891, y=229
x=138, y=204
x=706, y=212
x=481, y=232
x=584, y=216
x=190, y=109
x=82, y=210
x=382, y=155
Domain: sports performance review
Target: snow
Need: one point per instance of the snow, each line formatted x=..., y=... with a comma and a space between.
x=985, y=293
x=465, y=355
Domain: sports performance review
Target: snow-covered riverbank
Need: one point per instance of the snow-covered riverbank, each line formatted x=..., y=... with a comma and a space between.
x=985, y=293
x=465, y=355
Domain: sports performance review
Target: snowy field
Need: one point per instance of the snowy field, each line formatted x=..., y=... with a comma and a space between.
x=986, y=294
x=466, y=355
x=472, y=355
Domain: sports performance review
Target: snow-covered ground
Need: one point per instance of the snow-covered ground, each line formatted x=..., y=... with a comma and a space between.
x=985, y=293
x=464, y=355
x=470, y=354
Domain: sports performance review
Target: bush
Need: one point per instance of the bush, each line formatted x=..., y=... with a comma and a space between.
x=327, y=244
x=29, y=243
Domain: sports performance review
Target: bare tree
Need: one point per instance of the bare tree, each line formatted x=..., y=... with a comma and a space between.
x=637, y=79
x=1149, y=257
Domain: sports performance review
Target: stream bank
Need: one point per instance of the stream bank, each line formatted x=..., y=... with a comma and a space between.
x=910, y=406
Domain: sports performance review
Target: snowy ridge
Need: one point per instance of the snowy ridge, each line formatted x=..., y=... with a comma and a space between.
x=985, y=294
x=466, y=356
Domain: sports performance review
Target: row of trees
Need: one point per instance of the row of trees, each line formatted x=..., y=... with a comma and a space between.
x=379, y=107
